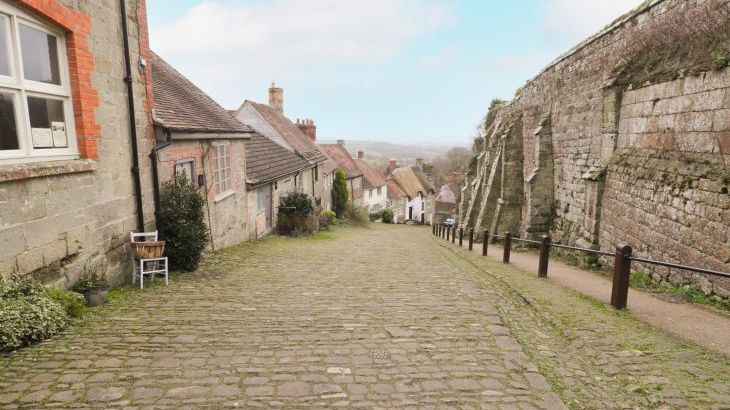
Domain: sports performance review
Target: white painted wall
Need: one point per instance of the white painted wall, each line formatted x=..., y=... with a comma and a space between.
x=373, y=200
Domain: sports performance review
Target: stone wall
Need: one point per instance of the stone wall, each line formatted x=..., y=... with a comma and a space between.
x=62, y=220
x=595, y=162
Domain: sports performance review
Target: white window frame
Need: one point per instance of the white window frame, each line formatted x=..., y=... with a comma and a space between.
x=21, y=89
x=222, y=169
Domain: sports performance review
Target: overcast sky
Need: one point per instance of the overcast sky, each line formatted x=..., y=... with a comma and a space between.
x=403, y=71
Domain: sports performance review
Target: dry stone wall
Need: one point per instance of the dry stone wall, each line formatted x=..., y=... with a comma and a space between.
x=594, y=162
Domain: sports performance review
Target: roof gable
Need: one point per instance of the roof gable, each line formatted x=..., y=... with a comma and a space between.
x=371, y=178
x=339, y=154
x=289, y=132
x=179, y=105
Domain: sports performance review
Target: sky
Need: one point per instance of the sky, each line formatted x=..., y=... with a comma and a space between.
x=400, y=71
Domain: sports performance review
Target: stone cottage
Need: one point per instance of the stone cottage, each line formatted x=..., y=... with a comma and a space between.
x=271, y=123
x=419, y=200
x=72, y=129
x=375, y=189
x=354, y=176
x=199, y=138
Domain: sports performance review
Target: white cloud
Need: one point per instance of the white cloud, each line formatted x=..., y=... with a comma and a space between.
x=577, y=19
x=224, y=44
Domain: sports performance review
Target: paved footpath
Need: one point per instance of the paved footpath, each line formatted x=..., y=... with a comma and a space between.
x=370, y=318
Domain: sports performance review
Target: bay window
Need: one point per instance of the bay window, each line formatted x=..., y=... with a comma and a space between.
x=36, y=114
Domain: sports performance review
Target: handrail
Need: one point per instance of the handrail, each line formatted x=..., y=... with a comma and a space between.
x=678, y=266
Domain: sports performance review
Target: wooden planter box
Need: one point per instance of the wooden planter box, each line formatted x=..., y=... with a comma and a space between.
x=148, y=250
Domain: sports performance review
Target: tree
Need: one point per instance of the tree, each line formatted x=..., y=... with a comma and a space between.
x=182, y=222
x=339, y=193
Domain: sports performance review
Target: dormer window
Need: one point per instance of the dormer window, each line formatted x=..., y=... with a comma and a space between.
x=36, y=114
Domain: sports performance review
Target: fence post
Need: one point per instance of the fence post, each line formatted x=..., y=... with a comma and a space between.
x=453, y=235
x=621, y=273
x=471, y=238
x=485, y=242
x=507, y=246
x=461, y=236
x=433, y=229
x=448, y=233
x=544, y=257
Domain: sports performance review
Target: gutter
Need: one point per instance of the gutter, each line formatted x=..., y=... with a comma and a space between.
x=132, y=118
x=156, y=182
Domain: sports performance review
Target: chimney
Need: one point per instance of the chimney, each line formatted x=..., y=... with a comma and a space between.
x=360, y=154
x=276, y=98
x=392, y=165
x=340, y=142
x=308, y=128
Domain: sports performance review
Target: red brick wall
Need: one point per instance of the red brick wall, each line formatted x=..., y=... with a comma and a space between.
x=144, y=50
x=81, y=66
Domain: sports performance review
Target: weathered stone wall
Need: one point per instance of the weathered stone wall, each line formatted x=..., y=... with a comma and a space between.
x=61, y=220
x=603, y=163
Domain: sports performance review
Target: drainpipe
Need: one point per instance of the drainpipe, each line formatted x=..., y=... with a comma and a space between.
x=156, y=183
x=132, y=119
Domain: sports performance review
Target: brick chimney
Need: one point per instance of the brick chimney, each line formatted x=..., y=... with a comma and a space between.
x=340, y=142
x=276, y=98
x=308, y=128
x=392, y=165
x=360, y=154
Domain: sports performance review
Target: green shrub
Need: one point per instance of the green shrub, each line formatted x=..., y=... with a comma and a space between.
x=27, y=313
x=374, y=216
x=328, y=218
x=85, y=285
x=340, y=196
x=72, y=302
x=388, y=216
x=182, y=223
x=294, y=210
x=357, y=215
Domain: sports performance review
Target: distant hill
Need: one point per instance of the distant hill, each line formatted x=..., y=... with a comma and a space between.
x=379, y=153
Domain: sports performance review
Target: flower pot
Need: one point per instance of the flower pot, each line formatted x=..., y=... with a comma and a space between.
x=96, y=296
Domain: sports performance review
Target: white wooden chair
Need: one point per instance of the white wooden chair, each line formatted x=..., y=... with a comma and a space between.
x=147, y=266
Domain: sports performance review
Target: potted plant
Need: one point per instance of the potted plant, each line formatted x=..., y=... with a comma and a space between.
x=94, y=290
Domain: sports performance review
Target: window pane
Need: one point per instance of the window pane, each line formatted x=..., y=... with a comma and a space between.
x=40, y=55
x=47, y=123
x=4, y=58
x=8, y=131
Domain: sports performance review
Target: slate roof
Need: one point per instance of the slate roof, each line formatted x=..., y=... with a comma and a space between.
x=371, y=178
x=267, y=161
x=290, y=133
x=408, y=181
x=339, y=154
x=179, y=105
x=394, y=191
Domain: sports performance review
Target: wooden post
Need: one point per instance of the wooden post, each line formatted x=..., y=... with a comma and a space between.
x=621, y=273
x=485, y=242
x=471, y=238
x=433, y=229
x=507, y=246
x=461, y=236
x=448, y=233
x=453, y=235
x=542, y=268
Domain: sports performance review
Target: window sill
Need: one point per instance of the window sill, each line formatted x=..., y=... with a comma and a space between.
x=223, y=196
x=15, y=172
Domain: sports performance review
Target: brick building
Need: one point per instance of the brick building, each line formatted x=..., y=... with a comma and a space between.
x=338, y=154
x=71, y=130
x=196, y=136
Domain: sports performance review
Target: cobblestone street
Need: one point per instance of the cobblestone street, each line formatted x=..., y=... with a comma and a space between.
x=373, y=318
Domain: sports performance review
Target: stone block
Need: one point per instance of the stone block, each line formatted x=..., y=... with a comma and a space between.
x=8, y=267
x=41, y=232
x=721, y=120
x=12, y=242
x=30, y=260
x=54, y=252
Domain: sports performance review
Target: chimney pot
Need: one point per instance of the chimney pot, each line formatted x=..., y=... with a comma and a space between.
x=340, y=142
x=360, y=154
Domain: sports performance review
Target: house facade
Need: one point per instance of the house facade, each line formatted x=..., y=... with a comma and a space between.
x=71, y=130
x=199, y=138
x=444, y=204
x=354, y=176
x=419, y=204
x=397, y=200
x=375, y=189
x=270, y=122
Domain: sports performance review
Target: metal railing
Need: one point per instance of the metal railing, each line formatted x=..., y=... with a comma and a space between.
x=622, y=258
